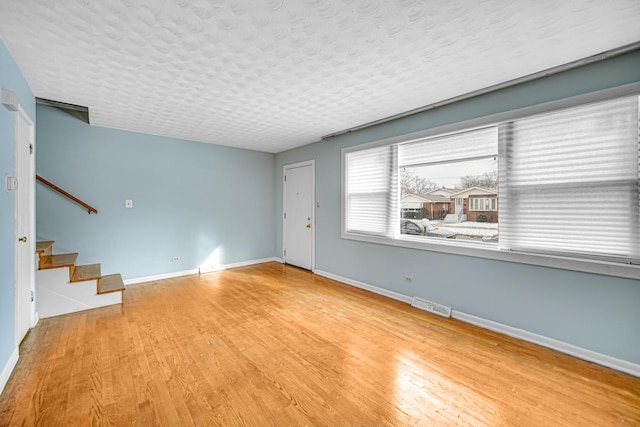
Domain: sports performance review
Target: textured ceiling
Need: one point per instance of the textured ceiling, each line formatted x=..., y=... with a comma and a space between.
x=271, y=75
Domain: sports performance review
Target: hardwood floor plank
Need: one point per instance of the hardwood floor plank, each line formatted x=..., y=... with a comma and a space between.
x=273, y=345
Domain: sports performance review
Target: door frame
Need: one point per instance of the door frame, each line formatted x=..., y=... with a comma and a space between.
x=459, y=205
x=286, y=167
x=33, y=315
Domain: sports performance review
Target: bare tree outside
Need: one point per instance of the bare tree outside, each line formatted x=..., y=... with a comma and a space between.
x=413, y=184
x=486, y=180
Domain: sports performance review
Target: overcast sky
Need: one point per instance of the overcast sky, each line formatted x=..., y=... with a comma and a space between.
x=448, y=174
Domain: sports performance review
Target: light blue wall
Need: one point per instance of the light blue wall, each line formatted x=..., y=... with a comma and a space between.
x=190, y=199
x=10, y=78
x=595, y=312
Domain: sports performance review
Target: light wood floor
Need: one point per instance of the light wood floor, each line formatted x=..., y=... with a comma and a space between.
x=274, y=345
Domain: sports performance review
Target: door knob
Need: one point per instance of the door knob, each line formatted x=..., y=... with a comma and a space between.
x=308, y=225
x=23, y=239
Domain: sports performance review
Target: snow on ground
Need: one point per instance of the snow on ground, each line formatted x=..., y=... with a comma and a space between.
x=469, y=228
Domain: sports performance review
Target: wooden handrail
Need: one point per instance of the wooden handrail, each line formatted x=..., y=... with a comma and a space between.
x=64, y=193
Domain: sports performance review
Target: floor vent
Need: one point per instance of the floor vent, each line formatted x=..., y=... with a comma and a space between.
x=431, y=307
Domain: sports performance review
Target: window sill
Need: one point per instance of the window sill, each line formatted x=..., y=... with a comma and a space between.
x=491, y=251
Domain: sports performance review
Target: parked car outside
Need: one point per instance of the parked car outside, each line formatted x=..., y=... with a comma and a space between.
x=424, y=227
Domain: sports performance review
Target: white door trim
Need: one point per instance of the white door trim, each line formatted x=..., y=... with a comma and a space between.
x=459, y=205
x=33, y=317
x=311, y=163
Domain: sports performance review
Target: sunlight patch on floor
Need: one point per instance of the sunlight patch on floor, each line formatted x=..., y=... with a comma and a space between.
x=425, y=394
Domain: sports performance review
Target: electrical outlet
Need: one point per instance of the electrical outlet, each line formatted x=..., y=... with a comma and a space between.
x=407, y=279
x=175, y=259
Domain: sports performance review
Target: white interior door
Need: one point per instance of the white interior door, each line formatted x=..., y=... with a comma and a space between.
x=299, y=225
x=25, y=226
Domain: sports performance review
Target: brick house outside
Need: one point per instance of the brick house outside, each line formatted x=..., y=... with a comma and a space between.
x=476, y=202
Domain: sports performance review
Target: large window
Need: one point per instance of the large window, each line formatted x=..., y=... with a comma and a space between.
x=560, y=184
x=450, y=169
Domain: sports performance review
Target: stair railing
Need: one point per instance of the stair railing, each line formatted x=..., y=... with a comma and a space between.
x=89, y=208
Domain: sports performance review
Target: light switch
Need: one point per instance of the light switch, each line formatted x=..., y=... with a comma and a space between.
x=11, y=183
x=128, y=204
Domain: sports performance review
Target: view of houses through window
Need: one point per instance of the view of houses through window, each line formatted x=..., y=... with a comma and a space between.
x=456, y=199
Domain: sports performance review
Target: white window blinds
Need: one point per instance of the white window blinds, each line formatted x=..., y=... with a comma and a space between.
x=371, y=191
x=472, y=144
x=569, y=182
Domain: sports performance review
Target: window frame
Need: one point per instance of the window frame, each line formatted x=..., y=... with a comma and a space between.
x=487, y=202
x=490, y=250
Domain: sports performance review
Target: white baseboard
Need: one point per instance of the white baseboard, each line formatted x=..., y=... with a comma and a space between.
x=136, y=280
x=200, y=270
x=563, y=347
x=235, y=265
x=365, y=286
x=8, y=368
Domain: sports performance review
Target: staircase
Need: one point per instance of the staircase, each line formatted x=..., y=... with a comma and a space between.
x=455, y=217
x=64, y=287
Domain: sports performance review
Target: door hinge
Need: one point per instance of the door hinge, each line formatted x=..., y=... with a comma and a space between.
x=285, y=215
x=285, y=253
x=32, y=296
x=30, y=148
x=285, y=178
